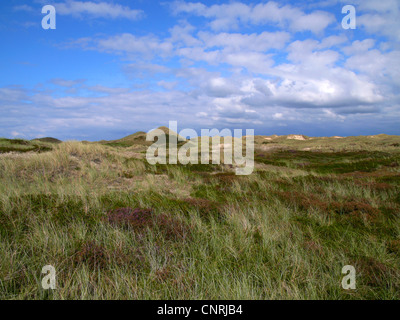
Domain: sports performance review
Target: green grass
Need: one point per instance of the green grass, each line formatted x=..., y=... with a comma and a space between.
x=284, y=232
x=330, y=162
x=20, y=145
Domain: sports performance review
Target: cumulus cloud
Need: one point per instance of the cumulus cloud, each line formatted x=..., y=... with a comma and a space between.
x=229, y=73
x=359, y=46
x=232, y=15
x=245, y=42
x=169, y=85
x=127, y=44
x=96, y=10
x=12, y=94
x=378, y=17
x=332, y=41
x=107, y=90
x=383, y=68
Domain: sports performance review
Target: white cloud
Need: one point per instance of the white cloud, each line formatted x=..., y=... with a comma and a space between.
x=245, y=42
x=278, y=115
x=304, y=52
x=309, y=78
x=167, y=84
x=141, y=69
x=181, y=35
x=128, y=43
x=23, y=7
x=332, y=41
x=12, y=94
x=359, y=46
x=96, y=10
x=379, y=6
x=230, y=16
x=383, y=68
x=379, y=17
x=217, y=76
x=108, y=90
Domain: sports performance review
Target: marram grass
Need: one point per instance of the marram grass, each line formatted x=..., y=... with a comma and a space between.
x=115, y=227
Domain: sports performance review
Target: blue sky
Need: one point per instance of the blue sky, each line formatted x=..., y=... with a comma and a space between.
x=111, y=68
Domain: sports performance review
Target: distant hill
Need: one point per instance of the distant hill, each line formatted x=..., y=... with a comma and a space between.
x=48, y=140
x=21, y=145
x=138, y=138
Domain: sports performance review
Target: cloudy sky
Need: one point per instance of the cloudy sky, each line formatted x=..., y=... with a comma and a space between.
x=111, y=68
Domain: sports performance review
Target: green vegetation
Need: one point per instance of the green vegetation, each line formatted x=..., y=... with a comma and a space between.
x=115, y=227
x=48, y=140
x=330, y=162
x=20, y=145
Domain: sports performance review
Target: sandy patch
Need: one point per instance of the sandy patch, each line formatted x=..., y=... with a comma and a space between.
x=295, y=137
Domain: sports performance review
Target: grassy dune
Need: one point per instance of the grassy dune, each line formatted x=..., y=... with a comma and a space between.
x=115, y=227
x=21, y=145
